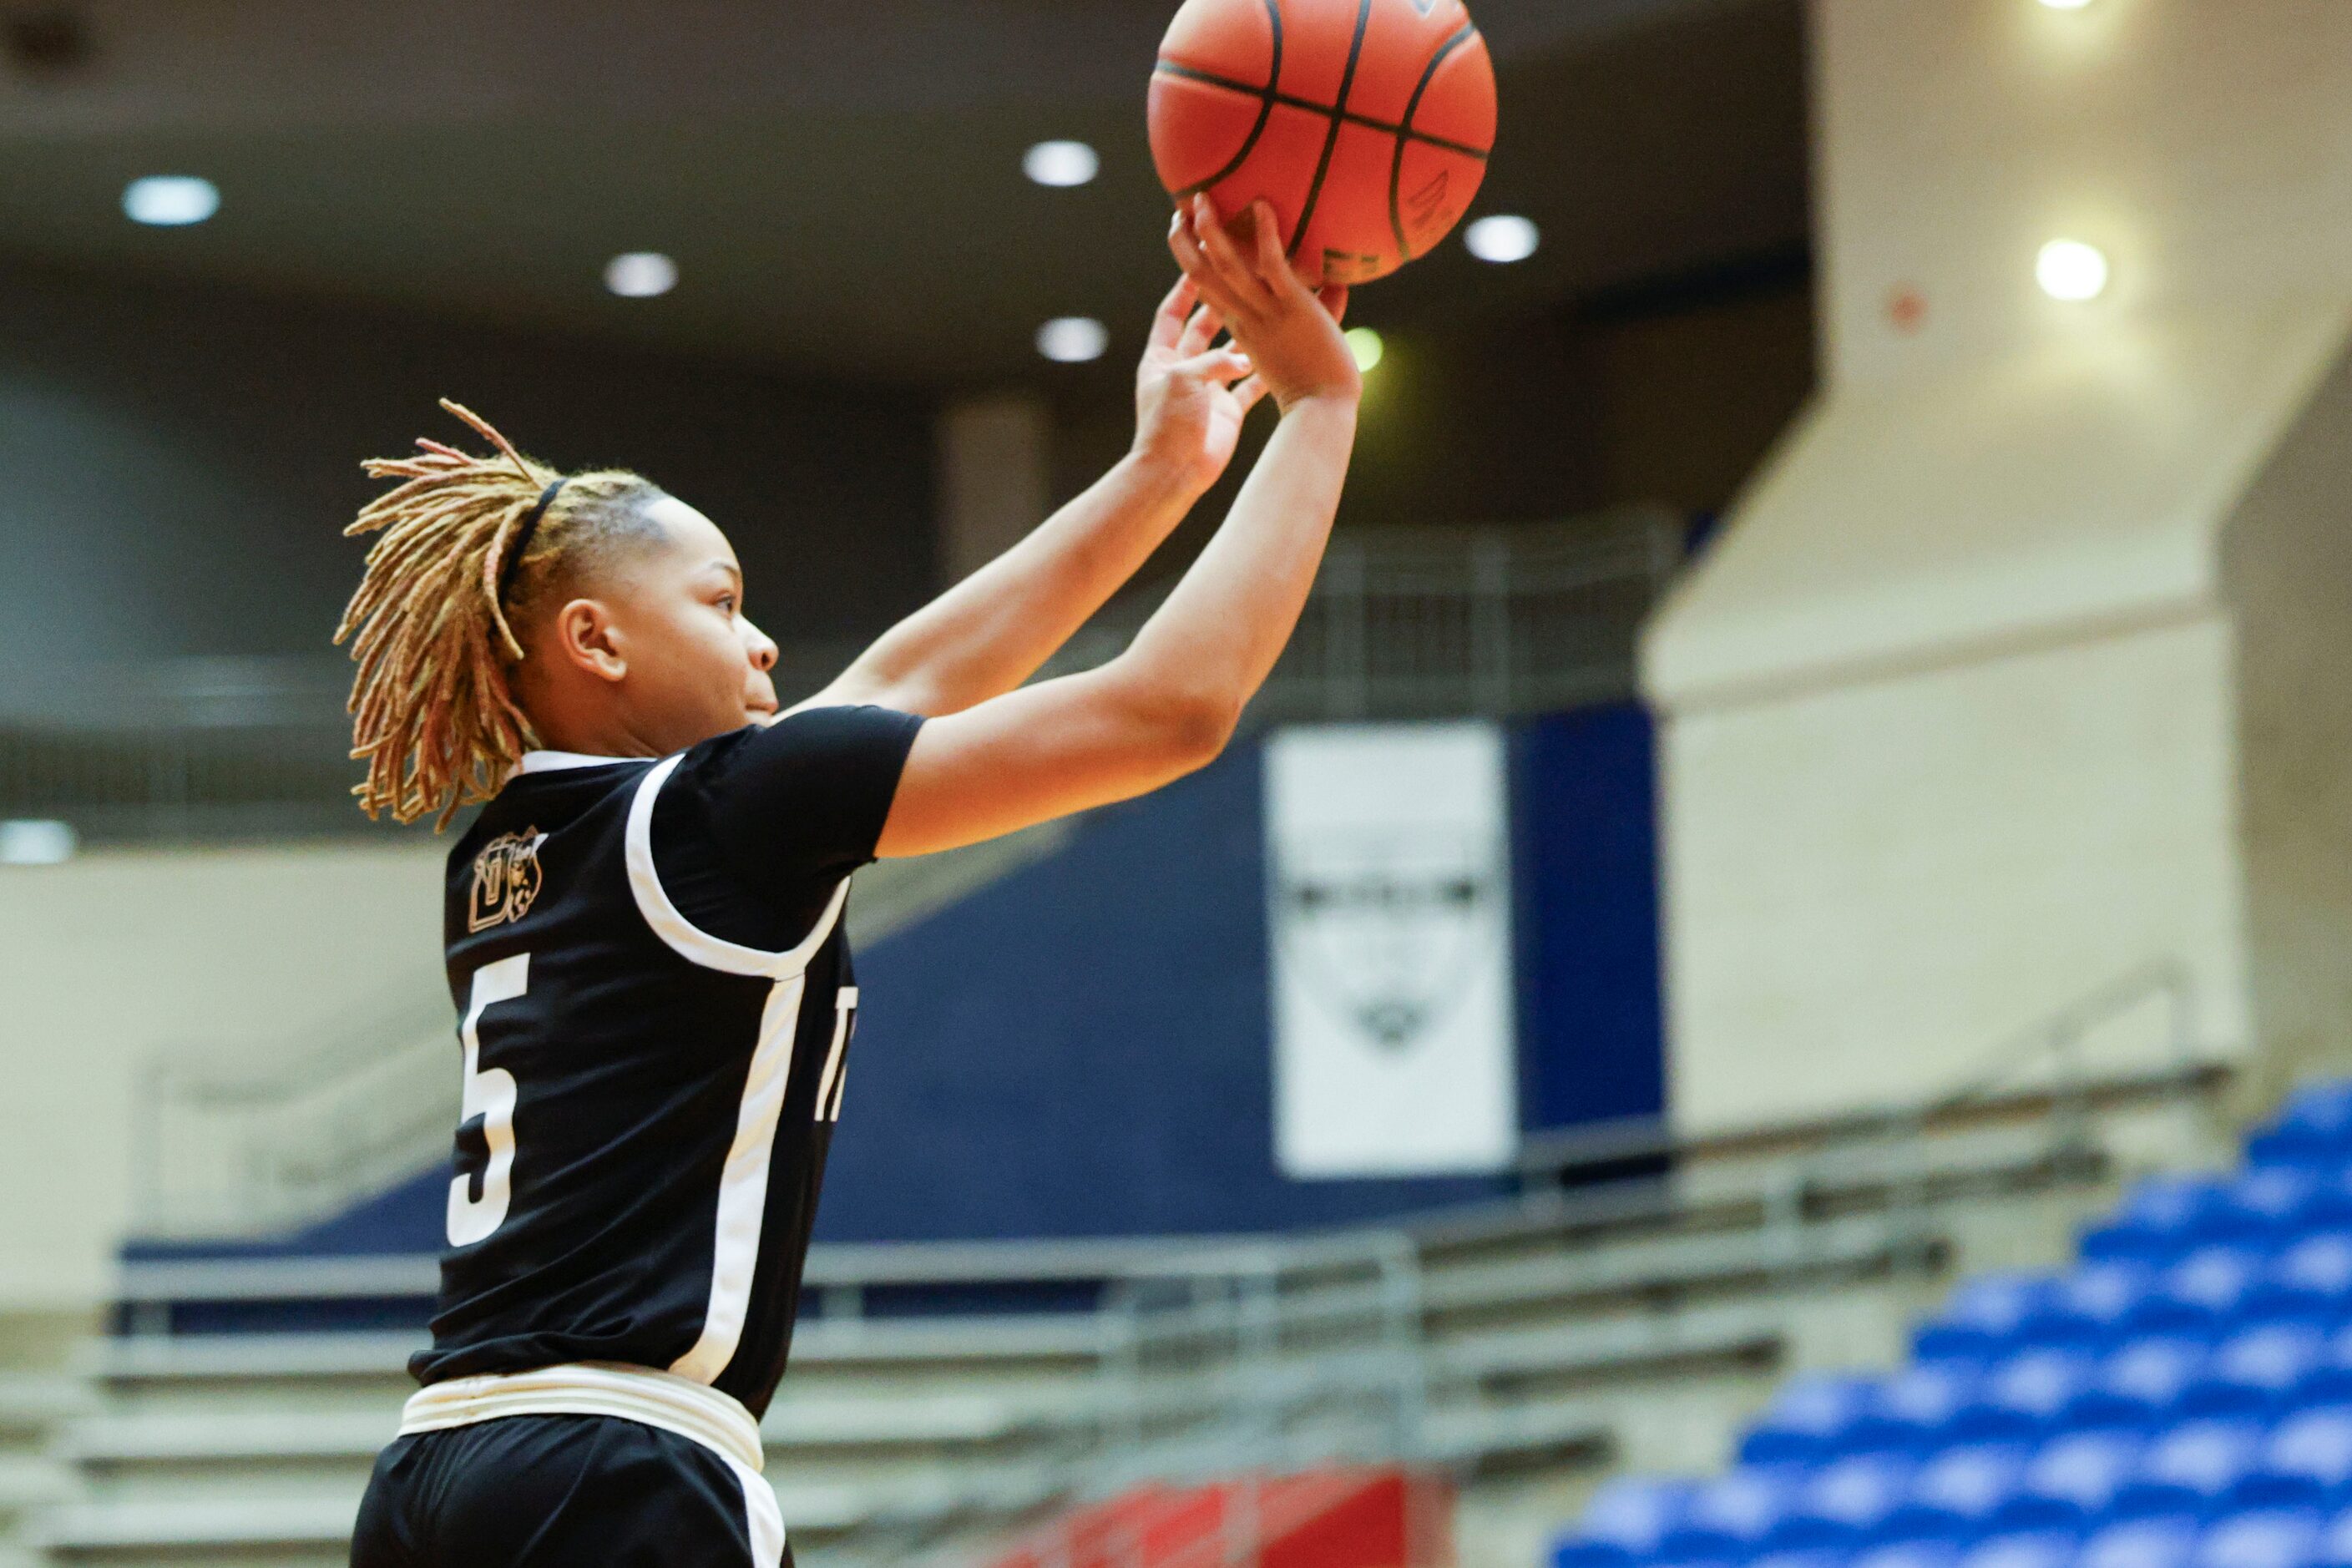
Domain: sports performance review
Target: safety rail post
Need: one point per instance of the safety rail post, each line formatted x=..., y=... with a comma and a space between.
x=1399, y=1262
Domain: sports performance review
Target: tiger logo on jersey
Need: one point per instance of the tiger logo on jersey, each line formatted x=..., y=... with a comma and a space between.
x=506, y=879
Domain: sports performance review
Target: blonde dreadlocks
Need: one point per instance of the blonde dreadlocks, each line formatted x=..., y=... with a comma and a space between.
x=431, y=707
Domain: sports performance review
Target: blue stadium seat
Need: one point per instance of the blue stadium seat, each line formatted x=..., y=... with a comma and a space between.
x=2313, y=1128
x=2307, y=1459
x=2268, y=1206
x=2141, y=1381
x=2312, y=1277
x=2201, y=1293
x=2254, y=1370
x=2192, y=1466
x=1732, y=1515
x=1845, y=1501
x=1910, y=1554
x=1982, y=1318
x=2090, y=1304
x=2264, y=1538
x=2029, y=1549
x=2154, y=1541
x=2074, y=1478
x=2158, y=1220
x=2330, y=1383
x=2024, y=1396
x=1813, y=1416
x=1956, y=1494
x=1627, y=1521
x=1916, y=1407
x=1817, y=1557
x=2334, y=1547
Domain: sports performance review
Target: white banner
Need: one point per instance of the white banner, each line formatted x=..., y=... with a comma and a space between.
x=1387, y=874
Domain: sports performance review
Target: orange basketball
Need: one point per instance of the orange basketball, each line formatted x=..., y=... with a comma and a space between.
x=1365, y=123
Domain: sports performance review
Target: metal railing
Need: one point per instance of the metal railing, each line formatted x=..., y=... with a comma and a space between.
x=1403, y=622
x=1283, y=1355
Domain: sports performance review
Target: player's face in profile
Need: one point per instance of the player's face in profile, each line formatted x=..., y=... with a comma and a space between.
x=697, y=666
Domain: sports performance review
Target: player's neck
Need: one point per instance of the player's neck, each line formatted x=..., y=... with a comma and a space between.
x=591, y=736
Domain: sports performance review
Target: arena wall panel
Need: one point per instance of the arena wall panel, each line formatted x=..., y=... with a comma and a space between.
x=2001, y=679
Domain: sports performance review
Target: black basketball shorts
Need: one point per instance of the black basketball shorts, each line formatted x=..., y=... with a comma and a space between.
x=561, y=1491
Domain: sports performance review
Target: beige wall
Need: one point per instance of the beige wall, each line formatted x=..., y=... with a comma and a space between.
x=1965, y=716
x=114, y=958
x=1871, y=887
x=2287, y=568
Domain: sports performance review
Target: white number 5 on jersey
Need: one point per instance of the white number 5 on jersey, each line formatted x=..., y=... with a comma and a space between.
x=492, y=1095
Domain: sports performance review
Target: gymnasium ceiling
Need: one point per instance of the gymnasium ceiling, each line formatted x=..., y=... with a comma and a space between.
x=839, y=182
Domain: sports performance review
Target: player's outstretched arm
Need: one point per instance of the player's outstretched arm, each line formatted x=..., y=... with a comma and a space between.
x=1168, y=704
x=992, y=631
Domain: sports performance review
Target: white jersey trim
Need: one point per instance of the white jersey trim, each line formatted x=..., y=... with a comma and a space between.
x=557, y=762
x=684, y=938
x=763, y=1517
x=716, y=1420
x=744, y=1180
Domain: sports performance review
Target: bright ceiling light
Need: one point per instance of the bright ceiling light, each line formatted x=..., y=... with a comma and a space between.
x=34, y=842
x=2065, y=4
x=2069, y=270
x=1505, y=236
x=170, y=199
x=640, y=274
x=1367, y=346
x=1072, y=340
x=1061, y=163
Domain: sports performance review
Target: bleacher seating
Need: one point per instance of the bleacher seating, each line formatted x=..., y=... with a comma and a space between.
x=2181, y=1398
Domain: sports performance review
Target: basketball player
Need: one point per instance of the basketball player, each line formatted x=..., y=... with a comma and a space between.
x=643, y=925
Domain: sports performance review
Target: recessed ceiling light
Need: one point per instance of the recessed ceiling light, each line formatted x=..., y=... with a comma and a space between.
x=32, y=841
x=640, y=274
x=169, y=200
x=2065, y=4
x=1505, y=236
x=2071, y=270
x=1367, y=346
x=1072, y=340
x=1060, y=164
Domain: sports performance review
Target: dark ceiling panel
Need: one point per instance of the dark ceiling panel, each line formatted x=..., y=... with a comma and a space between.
x=836, y=201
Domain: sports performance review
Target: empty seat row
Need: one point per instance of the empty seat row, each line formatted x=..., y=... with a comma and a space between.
x=2208, y=1291
x=2074, y=1485
x=2165, y=1216
x=2262, y=1538
x=2261, y=1371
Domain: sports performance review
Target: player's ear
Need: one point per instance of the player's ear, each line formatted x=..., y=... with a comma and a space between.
x=584, y=638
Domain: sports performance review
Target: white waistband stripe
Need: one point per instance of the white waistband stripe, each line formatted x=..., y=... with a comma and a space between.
x=693, y=1410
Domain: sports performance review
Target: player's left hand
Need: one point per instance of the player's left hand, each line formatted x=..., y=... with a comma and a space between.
x=1191, y=398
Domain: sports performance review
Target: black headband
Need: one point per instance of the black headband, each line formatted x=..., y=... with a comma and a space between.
x=522, y=537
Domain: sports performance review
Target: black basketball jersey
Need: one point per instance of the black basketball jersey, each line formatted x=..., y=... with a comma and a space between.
x=656, y=1003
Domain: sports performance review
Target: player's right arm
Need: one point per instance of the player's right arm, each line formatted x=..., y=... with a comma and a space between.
x=1168, y=704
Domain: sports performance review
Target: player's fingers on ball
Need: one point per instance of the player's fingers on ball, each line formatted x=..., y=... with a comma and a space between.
x=1188, y=256
x=1202, y=273
x=1233, y=268
x=1272, y=268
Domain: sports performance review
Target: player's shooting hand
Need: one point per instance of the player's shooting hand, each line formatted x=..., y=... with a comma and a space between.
x=1290, y=333
x=1191, y=398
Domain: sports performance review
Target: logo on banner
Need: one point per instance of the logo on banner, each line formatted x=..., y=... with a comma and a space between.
x=1384, y=930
